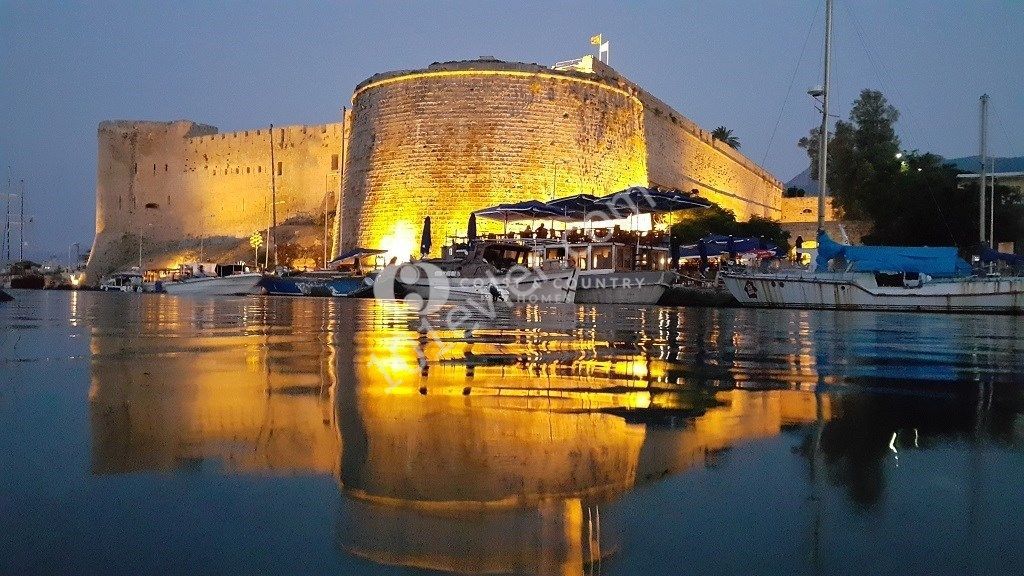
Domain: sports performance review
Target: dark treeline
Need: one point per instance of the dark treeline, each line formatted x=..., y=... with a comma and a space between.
x=910, y=198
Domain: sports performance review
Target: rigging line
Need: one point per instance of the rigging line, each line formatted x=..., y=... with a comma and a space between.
x=789, y=89
x=888, y=83
x=1002, y=130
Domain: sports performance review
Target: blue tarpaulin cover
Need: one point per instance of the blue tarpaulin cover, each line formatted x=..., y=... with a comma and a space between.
x=932, y=261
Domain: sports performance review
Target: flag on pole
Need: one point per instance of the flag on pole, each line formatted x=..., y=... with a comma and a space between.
x=595, y=40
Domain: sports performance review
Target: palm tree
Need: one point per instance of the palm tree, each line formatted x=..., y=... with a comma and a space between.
x=725, y=135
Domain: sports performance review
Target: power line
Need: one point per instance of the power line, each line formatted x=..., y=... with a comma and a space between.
x=789, y=88
x=887, y=83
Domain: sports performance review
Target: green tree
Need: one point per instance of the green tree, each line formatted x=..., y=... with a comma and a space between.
x=696, y=224
x=909, y=198
x=862, y=154
x=928, y=205
x=725, y=135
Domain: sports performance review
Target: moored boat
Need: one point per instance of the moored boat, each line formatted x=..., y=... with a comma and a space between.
x=487, y=270
x=125, y=281
x=880, y=278
x=307, y=284
x=612, y=272
x=345, y=276
x=223, y=280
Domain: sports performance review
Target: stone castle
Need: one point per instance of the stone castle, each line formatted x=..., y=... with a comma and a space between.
x=441, y=142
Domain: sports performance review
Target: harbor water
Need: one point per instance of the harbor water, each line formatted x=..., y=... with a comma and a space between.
x=146, y=433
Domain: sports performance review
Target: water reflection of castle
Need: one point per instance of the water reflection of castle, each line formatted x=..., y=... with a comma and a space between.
x=487, y=451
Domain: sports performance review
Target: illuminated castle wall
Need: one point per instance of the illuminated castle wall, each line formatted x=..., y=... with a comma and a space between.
x=442, y=141
x=459, y=136
x=176, y=183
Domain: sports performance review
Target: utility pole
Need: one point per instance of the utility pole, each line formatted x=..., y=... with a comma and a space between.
x=992, y=206
x=984, y=160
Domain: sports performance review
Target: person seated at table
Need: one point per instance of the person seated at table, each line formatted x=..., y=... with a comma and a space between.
x=527, y=232
x=542, y=232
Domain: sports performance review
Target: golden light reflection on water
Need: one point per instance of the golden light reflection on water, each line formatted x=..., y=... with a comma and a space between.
x=483, y=449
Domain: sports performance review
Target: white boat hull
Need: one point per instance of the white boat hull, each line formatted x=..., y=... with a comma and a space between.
x=236, y=284
x=860, y=291
x=639, y=287
x=551, y=287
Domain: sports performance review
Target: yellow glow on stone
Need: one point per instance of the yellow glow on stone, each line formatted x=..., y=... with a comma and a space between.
x=519, y=73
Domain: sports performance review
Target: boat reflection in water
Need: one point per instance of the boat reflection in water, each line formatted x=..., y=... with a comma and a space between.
x=495, y=448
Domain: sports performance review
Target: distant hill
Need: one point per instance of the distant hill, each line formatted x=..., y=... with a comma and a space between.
x=803, y=180
x=965, y=164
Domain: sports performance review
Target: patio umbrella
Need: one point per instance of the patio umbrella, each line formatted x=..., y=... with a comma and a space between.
x=425, y=242
x=471, y=228
x=520, y=211
x=643, y=200
x=576, y=206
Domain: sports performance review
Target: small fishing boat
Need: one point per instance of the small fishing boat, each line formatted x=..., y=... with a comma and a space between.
x=124, y=281
x=344, y=277
x=489, y=270
x=213, y=280
x=313, y=284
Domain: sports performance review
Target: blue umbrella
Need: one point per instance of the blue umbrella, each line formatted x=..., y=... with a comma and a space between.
x=425, y=242
x=642, y=200
x=526, y=210
x=577, y=206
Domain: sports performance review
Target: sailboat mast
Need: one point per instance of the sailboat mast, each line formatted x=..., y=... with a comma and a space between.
x=21, y=224
x=823, y=147
x=983, y=153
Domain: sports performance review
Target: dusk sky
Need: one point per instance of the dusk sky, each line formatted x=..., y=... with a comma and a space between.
x=67, y=66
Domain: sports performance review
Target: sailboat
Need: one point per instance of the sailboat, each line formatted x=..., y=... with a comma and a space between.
x=876, y=277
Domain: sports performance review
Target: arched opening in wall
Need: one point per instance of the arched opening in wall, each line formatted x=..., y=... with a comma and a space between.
x=334, y=161
x=259, y=169
x=280, y=168
x=236, y=170
x=247, y=170
x=154, y=168
x=165, y=167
